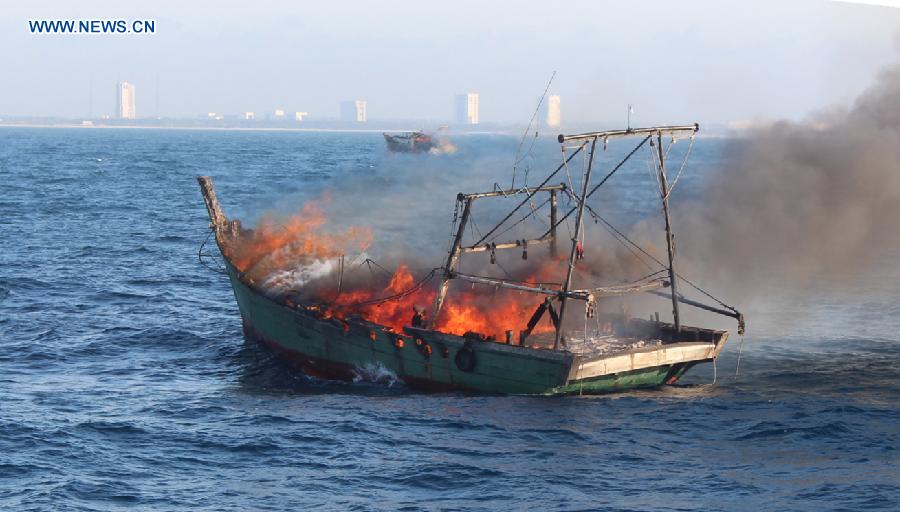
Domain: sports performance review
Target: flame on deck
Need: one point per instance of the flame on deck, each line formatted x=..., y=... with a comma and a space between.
x=481, y=309
x=274, y=245
x=273, y=251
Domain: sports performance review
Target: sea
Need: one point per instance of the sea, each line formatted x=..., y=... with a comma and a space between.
x=126, y=383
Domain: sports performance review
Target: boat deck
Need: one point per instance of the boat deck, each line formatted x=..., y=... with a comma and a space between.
x=596, y=344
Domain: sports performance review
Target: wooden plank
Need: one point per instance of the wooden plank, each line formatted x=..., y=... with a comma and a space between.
x=644, y=358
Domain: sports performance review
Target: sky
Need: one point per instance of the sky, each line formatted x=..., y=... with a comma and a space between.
x=712, y=61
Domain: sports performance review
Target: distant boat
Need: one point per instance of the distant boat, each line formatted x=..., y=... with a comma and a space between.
x=336, y=339
x=409, y=142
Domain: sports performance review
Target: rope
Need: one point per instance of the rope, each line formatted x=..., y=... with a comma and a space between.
x=503, y=269
x=473, y=225
x=654, y=258
x=619, y=236
x=653, y=168
x=525, y=134
x=416, y=287
x=737, y=367
x=607, y=177
x=528, y=198
x=523, y=219
x=680, y=169
x=371, y=262
x=648, y=276
x=219, y=269
x=453, y=224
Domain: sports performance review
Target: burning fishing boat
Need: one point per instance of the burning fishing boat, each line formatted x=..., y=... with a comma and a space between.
x=409, y=142
x=520, y=347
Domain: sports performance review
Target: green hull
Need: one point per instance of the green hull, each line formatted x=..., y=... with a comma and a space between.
x=356, y=349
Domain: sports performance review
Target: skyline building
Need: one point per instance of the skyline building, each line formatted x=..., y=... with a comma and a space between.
x=125, y=101
x=553, y=114
x=354, y=111
x=466, y=108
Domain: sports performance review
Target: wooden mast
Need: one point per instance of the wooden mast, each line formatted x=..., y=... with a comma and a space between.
x=574, y=251
x=670, y=238
x=452, y=258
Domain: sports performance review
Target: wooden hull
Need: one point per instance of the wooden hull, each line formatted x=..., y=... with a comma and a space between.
x=407, y=145
x=354, y=349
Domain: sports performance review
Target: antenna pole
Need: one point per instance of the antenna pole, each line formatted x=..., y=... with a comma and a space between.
x=670, y=238
x=572, y=255
x=553, y=222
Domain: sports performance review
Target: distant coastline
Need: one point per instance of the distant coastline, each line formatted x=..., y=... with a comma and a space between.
x=713, y=131
x=203, y=128
x=264, y=128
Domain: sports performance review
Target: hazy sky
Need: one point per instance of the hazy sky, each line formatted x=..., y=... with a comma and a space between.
x=710, y=61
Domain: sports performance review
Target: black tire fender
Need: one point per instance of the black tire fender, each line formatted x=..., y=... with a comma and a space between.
x=465, y=357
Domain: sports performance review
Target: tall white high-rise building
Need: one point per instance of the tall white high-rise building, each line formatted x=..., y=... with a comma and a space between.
x=554, y=115
x=125, y=100
x=466, y=108
x=354, y=111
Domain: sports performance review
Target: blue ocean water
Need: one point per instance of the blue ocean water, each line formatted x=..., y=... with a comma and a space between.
x=125, y=382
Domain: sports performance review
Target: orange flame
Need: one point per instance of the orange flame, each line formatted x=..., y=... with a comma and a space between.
x=273, y=246
x=479, y=310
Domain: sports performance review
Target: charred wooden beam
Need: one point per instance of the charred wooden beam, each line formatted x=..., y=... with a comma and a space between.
x=737, y=315
x=670, y=237
x=545, y=306
x=213, y=208
x=533, y=321
x=452, y=260
x=611, y=134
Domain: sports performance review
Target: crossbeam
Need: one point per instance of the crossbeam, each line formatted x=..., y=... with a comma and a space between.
x=622, y=289
x=507, y=245
x=506, y=284
x=511, y=192
x=585, y=295
x=630, y=132
x=737, y=315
